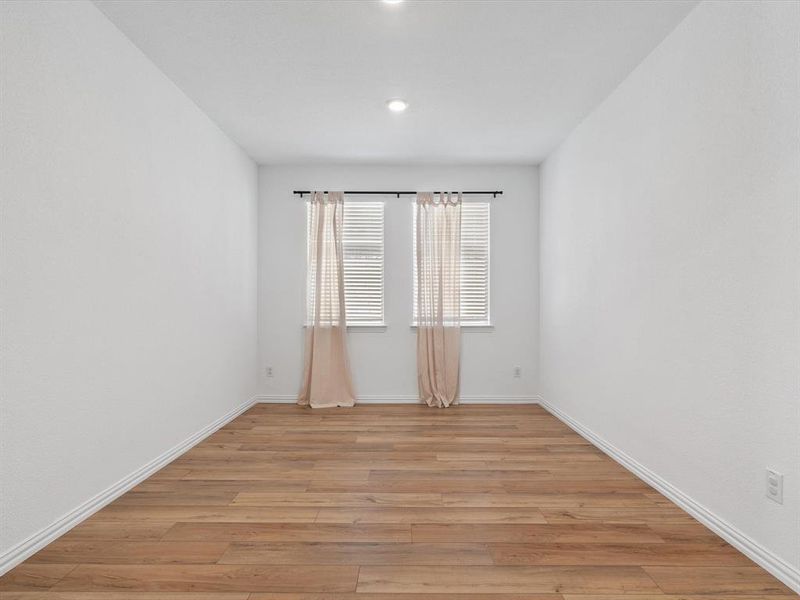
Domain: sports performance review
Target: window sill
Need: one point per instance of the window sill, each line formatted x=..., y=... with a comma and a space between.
x=471, y=327
x=367, y=327
x=363, y=327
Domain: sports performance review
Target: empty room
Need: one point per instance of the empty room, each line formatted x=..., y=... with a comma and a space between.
x=399, y=299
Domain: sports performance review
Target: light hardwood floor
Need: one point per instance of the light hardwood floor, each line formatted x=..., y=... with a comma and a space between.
x=389, y=503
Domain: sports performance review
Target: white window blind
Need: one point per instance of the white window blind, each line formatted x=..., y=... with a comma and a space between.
x=474, y=263
x=362, y=247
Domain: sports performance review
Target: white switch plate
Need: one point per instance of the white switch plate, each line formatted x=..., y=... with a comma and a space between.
x=775, y=486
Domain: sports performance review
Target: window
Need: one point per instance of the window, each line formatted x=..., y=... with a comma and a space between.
x=474, y=263
x=362, y=247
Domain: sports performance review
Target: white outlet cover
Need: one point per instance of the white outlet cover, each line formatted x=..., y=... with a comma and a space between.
x=775, y=486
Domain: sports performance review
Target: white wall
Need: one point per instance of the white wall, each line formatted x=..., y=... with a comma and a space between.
x=670, y=307
x=383, y=363
x=128, y=264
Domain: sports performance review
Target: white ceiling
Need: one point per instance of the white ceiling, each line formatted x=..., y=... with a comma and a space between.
x=487, y=81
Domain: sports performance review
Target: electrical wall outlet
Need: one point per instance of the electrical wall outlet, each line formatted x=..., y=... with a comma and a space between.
x=517, y=372
x=775, y=486
x=269, y=371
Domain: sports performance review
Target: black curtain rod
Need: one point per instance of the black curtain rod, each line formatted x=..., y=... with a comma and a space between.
x=494, y=194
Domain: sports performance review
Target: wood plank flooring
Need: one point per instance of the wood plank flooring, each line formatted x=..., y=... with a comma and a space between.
x=391, y=503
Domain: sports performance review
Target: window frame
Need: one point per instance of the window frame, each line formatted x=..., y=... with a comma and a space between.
x=486, y=325
x=360, y=325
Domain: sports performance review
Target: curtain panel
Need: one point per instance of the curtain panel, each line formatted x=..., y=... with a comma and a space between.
x=326, y=372
x=438, y=297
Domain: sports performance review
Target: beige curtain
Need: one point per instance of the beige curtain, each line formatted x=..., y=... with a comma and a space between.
x=438, y=301
x=326, y=375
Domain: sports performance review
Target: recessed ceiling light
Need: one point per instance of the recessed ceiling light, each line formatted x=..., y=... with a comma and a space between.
x=392, y=1
x=396, y=105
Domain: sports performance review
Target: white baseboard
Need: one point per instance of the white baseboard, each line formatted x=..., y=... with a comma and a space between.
x=782, y=570
x=15, y=555
x=291, y=399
